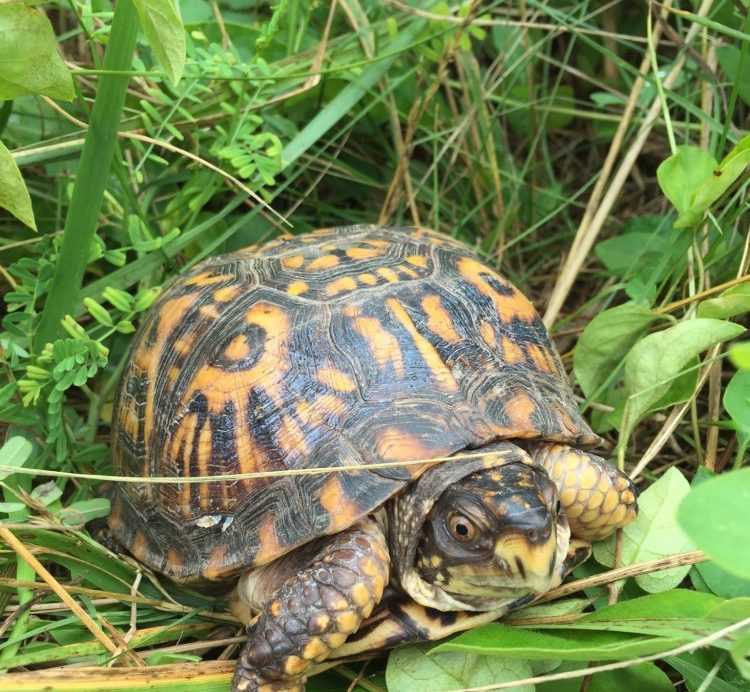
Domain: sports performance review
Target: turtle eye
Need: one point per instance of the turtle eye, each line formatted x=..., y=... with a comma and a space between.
x=461, y=529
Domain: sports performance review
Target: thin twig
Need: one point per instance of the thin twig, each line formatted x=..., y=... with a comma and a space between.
x=691, y=558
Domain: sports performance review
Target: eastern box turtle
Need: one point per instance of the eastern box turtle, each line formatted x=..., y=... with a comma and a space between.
x=329, y=366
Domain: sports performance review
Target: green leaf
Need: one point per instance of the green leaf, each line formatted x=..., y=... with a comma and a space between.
x=682, y=174
x=716, y=515
x=92, y=178
x=740, y=651
x=642, y=676
x=412, y=669
x=658, y=358
x=606, y=341
x=564, y=606
x=724, y=176
x=739, y=354
x=47, y=493
x=648, y=251
x=721, y=582
x=568, y=644
x=737, y=398
x=654, y=533
x=13, y=193
x=165, y=34
x=674, y=613
x=78, y=513
x=729, y=59
x=14, y=454
x=734, y=301
x=695, y=675
x=29, y=60
x=675, y=603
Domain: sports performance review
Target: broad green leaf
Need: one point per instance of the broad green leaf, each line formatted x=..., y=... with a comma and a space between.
x=734, y=301
x=654, y=533
x=163, y=28
x=13, y=193
x=643, y=676
x=673, y=613
x=729, y=59
x=721, y=582
x=716, y=515
x=682, y=174
x=666, y=604
x=567, y=644
x=658, y=358
x=606, y=341
x=29, y=60
x=14, y=453
x=733, y=610
x=739, y=354
x=654, y=627
x=737, y=398
x=680, y=389
x=645, y=254
x=412, y=669
x=724, y=176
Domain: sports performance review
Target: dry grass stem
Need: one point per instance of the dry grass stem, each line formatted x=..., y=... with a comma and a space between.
x=690, y=558
x=24, y=553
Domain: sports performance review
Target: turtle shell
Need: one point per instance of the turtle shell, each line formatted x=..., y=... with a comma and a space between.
x=343, y=347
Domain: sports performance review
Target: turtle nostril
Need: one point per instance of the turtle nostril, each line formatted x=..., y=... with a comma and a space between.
x=539, y=534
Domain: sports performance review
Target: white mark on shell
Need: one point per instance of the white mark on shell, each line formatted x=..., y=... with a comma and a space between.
x=209, y=520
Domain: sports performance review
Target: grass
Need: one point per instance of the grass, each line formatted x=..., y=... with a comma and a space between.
x=532, y=132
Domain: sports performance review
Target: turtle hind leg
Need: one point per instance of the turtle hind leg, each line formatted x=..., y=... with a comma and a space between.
x=596, y=496
x=314, y=611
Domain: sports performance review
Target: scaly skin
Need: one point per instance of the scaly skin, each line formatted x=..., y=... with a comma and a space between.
x=315, y=611
x=596, y=496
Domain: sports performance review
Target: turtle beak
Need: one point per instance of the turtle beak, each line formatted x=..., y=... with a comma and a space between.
x=529, y=549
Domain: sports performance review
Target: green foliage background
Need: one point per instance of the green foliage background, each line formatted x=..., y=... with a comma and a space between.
x=596, y=153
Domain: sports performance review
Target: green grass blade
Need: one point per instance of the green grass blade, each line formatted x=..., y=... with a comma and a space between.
x=92, y=176
x=349, y=97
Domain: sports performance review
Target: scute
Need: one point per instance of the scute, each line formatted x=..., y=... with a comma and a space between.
x=341, y=348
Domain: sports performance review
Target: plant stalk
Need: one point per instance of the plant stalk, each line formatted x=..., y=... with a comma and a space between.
x=92, y=175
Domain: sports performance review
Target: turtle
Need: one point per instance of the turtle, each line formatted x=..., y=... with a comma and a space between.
x=387, y=444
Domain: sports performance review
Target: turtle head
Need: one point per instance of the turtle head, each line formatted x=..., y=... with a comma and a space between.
x=494, y=537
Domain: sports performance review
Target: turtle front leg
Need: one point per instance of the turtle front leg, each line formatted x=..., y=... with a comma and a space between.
x=597, y=497
x=314, y=611
x=399, y=620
